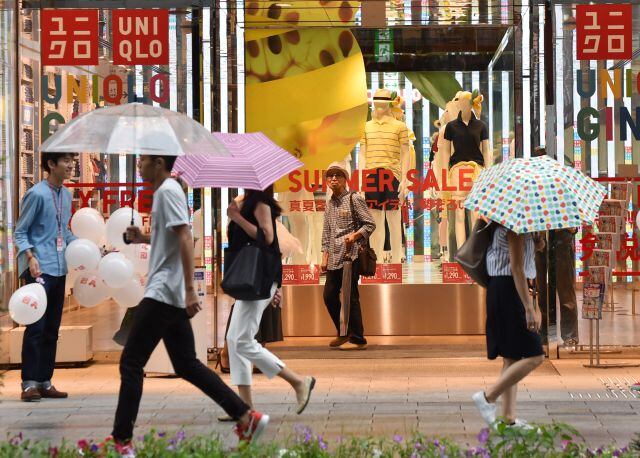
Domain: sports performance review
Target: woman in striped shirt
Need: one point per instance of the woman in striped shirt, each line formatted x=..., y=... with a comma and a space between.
x=513, y=321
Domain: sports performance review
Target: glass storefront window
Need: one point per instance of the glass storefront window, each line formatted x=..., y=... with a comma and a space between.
x=8, y=104
x=415, y=239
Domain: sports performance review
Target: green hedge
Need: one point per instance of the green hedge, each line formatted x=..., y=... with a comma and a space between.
x=554, y=440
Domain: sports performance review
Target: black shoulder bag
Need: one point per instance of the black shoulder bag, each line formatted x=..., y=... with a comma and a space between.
x=472, y=255
x=252, y=269
x=366, y=256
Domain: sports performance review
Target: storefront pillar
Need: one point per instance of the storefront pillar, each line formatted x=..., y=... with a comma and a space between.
x=550, y=331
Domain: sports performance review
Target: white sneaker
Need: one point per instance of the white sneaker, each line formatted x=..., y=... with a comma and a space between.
x=524, y=425
x=487, y=410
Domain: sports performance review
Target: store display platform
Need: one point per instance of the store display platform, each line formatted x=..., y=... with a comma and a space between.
x=392, y=309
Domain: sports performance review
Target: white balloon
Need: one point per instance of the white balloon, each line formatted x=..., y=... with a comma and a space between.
x=198, y=224
x=138, y=254
x=26, y=305
x=88, y=223
x=89, y=289
x=82, y=255
x=115, y=270
x=131, y=293
x=118, y=223
x=38, y=290
x=638, y=220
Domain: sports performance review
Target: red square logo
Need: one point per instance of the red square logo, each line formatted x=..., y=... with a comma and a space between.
x=69, y=37
x=604, y=32
x=140, y=37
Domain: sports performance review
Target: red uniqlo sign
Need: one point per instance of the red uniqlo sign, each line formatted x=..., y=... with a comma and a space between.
x=604, y=31
x=140, y=37
x=385, y=273
x=452, y=272
x=69, y=37
x=300, y=275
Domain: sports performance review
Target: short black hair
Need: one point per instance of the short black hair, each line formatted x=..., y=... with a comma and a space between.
x=168, y=160
x=54, y=157
x=539, y=151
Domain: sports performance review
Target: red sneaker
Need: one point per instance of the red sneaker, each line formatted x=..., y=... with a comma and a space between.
x=252, y=431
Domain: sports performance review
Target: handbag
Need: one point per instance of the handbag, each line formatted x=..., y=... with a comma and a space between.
x=472, y=255
x=367, y=258
x=252, y=269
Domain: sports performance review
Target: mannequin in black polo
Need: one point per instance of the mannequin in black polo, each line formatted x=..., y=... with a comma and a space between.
x=468, y=138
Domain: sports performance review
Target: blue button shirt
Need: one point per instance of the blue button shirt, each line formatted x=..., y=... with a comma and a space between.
x=37, y=228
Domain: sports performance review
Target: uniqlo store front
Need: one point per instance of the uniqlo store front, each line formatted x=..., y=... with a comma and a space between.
x=306, y=74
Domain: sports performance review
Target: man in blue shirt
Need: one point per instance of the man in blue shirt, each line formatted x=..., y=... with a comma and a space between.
x=42, y=235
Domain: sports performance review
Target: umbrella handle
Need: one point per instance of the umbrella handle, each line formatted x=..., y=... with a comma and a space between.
x=124, y=234
x=133, y=192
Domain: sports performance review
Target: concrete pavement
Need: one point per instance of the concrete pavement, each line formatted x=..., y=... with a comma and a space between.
x=353, y=396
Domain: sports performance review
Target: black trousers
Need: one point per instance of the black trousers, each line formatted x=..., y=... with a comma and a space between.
x=332, y=290
x=40, y=340
x=153, y=321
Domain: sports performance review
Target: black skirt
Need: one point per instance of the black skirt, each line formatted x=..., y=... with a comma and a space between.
x=507, y=333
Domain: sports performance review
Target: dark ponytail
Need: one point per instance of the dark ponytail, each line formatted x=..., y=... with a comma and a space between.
x=252, y=198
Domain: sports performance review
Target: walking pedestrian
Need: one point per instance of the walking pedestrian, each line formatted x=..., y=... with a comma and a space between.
x=513, y=322
x=257, y=211
x=341, y=237
x=170, y=300
x=42, y=235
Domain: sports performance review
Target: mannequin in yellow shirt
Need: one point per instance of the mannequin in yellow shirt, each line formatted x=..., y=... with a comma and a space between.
x=384, y=149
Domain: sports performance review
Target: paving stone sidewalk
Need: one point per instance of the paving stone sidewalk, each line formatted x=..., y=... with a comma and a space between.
x=380, y=397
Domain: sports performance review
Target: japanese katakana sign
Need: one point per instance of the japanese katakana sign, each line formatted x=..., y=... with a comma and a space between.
x=604, y=31
x=69, y=37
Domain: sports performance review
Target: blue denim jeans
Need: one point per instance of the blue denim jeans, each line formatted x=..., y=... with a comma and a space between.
x=40, y=340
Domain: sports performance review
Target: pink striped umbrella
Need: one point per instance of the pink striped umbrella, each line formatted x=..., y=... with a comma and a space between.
x=255, y=162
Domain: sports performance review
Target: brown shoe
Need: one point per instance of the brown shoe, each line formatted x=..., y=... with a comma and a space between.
x=52, y=393
x=339, y=341
x=353, y=346
x=31, y=394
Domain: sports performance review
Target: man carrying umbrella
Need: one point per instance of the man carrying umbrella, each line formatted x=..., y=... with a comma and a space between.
x=169, y=302
x=340, y=240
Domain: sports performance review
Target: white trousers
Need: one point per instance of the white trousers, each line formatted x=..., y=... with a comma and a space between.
x=244, y=349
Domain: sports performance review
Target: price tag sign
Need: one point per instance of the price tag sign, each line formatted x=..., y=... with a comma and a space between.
x=300, y=275
x=452, y=272
x=385, y=273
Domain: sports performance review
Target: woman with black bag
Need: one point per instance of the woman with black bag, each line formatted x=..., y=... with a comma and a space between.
x=253, y=223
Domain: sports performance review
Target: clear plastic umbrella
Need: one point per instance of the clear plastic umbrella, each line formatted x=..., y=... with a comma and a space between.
x=134, y=128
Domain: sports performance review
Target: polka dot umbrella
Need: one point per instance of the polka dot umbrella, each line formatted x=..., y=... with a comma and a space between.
x=538, y=194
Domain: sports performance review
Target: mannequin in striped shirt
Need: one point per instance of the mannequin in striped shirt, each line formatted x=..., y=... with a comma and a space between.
x=385, y=154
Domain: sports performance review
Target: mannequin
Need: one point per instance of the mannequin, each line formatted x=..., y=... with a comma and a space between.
x=300, y=224
x=465, y=146
x=438, y=164
x=398, y=112
x=384, y=149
